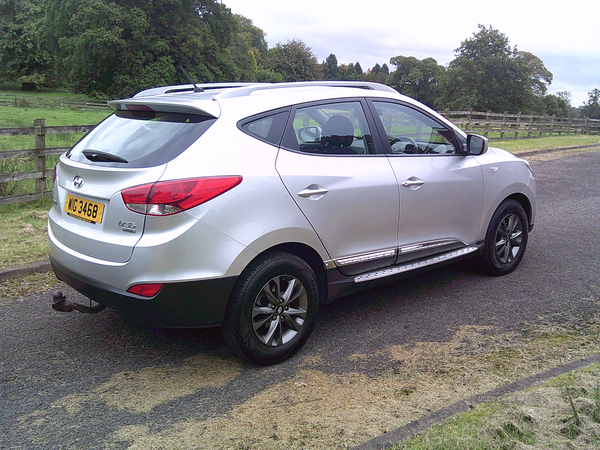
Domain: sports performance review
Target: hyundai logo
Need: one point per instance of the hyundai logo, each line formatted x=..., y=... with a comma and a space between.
x=78, y=182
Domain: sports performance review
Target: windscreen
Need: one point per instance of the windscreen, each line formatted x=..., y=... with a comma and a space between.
x=134, y=139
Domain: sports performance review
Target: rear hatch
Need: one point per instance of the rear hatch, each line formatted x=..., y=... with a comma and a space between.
x=130, y=148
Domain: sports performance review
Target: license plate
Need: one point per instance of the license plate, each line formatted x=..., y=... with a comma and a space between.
x=84, y=209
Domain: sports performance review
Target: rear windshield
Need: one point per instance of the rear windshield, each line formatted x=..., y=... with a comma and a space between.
x=140, y=138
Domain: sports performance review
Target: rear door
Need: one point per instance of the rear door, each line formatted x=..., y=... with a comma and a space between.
x=347, y=190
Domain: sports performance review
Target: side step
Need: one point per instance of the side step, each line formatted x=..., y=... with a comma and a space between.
x=415, y=265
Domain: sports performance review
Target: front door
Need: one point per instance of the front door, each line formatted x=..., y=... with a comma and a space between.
x=348, y=193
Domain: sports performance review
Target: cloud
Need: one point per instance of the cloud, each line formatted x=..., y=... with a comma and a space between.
x=567, y=40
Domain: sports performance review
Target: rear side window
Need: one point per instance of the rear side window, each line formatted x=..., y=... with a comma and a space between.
x=140, y=138
x=268, y=128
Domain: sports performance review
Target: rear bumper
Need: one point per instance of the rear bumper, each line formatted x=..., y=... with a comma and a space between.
x=192, y=304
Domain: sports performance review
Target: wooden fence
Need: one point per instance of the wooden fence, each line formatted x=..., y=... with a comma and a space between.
x=520, y=126
x=28, y=101
x=494, y=126
x=40, y=174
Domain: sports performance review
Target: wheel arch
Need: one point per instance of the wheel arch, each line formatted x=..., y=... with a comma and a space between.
x=524, y=201
x=309, y=255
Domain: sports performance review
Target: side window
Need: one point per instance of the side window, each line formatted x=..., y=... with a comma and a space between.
x=412, y=132
x=331, y=129
x=266, y=128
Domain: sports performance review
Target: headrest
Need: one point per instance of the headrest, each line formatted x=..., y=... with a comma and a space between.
x=338, y=132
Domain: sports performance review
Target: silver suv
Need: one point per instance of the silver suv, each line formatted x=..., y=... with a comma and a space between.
x=248, y=206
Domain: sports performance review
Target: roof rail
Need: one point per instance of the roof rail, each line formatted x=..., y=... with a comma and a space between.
x=253, y=87
x=242, y=89
x=188, y=88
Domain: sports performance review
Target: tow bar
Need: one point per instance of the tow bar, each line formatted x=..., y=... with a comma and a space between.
x=60, y=303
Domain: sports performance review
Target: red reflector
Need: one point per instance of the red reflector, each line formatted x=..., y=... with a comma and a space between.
x=146, y=290
x=171, y=197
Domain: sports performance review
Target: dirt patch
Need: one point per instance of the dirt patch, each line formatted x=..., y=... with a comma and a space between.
x=137, y=391
x=15, y=289
x=328, y=411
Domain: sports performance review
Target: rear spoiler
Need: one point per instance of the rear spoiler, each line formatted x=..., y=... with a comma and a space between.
x=162, y=104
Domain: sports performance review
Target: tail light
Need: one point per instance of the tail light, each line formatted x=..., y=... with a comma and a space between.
x=165, y=198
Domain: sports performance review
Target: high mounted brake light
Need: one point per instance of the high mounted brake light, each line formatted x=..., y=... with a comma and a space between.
x=165, y=198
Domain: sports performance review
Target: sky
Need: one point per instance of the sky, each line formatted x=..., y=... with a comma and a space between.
x=565, y=35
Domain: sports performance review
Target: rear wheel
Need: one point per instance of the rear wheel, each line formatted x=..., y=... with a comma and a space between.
x=272, y=309
x=506, y=238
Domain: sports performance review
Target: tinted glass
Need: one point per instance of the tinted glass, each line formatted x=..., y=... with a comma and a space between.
x=140, y=139
x=411, y=132
x=331, y=129
x=266, y=128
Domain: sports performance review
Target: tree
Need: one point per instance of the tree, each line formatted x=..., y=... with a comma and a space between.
x=591, y=108
x=359, y=70
x=377, y=74
x=348, y=72
x=115, y=48
x=248, y=48
x=294, y=60
x=557, y=106
x=22, y=58
x=487, y=74
x=416, y=79
x=331, y=71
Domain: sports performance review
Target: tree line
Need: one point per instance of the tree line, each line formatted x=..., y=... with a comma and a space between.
x=114, y=48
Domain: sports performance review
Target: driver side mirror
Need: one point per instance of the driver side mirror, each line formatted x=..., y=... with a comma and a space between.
x=476, y=145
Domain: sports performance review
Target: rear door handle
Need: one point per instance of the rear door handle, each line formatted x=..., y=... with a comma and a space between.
x=313, y=192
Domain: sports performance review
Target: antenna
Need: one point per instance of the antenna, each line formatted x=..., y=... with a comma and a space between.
x=196, y=88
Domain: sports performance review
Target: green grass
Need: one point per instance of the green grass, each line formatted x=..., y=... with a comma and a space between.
x=524, y=145
x=44, y=94
x=495, y=425
x=563, y=412
x=11, y=117
x=23, y=233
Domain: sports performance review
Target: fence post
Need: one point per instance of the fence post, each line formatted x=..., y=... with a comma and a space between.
x=40, y=159
x=468, y=124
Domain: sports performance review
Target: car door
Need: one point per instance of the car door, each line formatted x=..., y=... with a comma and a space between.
x=347, y=190
x=441, y=190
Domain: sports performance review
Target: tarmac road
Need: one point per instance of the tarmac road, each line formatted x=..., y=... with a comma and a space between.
x=100, y=381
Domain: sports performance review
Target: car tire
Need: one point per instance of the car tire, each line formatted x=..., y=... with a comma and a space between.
x=272, y=309
x=506, y=239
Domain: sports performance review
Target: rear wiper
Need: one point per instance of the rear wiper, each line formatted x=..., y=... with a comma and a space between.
x=98, y=156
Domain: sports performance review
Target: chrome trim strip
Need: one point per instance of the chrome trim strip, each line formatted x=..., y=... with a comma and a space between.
x=428, y=245
x=416, y=265
x=365, y=257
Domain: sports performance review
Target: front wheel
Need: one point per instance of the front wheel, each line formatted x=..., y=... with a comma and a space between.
x=506, y=238
x=272, y=309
